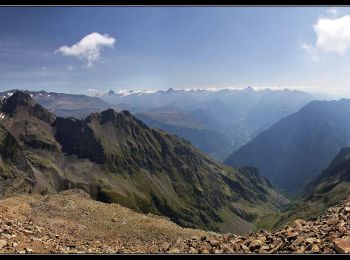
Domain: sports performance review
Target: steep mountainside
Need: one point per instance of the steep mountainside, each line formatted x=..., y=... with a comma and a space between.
x=298, y=147
x=272, y=107
x=117, y=158
x=326, y=190
x=15, y=173
x=172, y=115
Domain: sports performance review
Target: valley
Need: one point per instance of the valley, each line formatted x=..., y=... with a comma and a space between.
x=174, y=130
x=117, y=158
x=113, y=158
x=300, y=146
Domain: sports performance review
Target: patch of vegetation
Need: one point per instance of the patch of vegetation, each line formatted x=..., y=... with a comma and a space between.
x=111, y=196
x=267, y=222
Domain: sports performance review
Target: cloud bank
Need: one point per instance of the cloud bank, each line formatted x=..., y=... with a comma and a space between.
x=88, y=48
x=332, y=36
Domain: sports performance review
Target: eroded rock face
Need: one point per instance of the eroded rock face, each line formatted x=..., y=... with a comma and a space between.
x=326, y=234
x=76, y=137
x=15, y=172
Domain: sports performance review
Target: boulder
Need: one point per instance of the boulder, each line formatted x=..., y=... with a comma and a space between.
x=341, y=245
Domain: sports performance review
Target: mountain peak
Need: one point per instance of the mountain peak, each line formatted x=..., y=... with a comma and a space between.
x=126, y=112
x=108, y=115
x=21, y=100
x=111, y=93
x=118, y=118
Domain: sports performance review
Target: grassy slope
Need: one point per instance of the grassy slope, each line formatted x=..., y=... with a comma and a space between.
x=209, y=202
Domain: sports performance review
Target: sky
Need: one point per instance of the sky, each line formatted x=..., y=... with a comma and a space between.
x=91, y=50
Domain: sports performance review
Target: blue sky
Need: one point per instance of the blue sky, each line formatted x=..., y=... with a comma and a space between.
x=179, y=47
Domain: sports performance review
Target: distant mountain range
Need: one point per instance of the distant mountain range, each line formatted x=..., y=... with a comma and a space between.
x=117, y=158
x=217, y=122
x=300, y=146
x=66, y=105
x=228, y=117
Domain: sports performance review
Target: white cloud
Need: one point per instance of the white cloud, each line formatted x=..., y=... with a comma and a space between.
x=92, y=90
x=88, y=48
x=332, y=36
x=70, y=68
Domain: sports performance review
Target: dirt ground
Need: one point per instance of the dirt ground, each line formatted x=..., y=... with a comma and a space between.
x=70, y=222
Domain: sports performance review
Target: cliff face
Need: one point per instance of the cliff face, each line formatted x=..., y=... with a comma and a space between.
x=15, y=172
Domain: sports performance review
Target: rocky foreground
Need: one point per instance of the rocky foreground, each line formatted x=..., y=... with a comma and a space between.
x=326, y=234
x=70, y=222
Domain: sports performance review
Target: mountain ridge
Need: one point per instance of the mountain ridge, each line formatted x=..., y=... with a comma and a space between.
x=65, y=105
x=298, y=147
x=117, y=158
x=326, y=190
